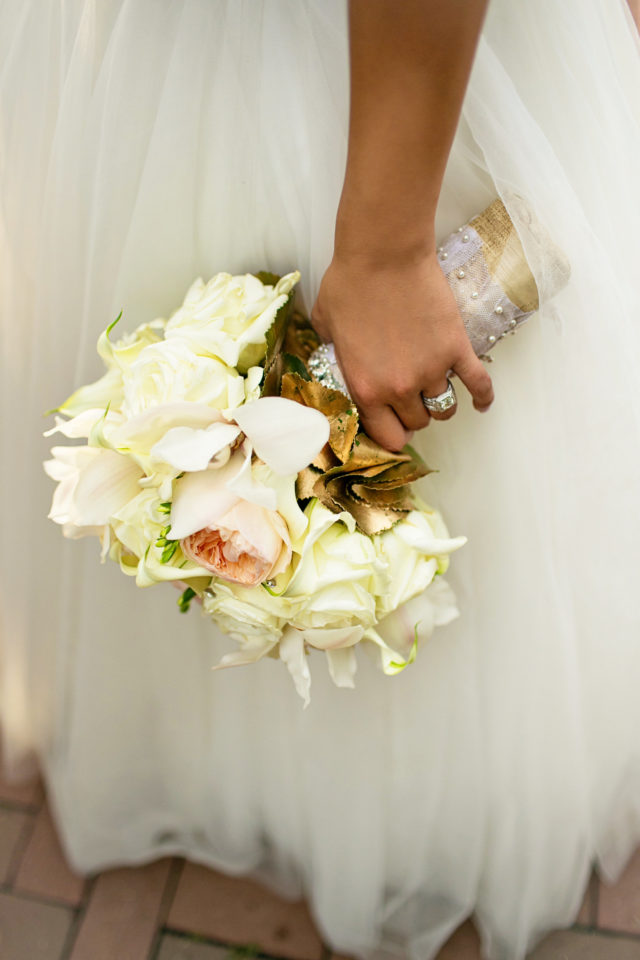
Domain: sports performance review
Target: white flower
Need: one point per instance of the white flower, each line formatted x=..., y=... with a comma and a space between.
x=343, y=584
x=412, y=623
x=93, y=484
x=236, y=521
x=326, y=603
x=244, y=543
x=247, y=614
x=169, y=371
x=117, y=356
x=84, y=424
x=338, y=575
x=285, y=434
x=414, y=551
x=138, y=527
x=229, y=316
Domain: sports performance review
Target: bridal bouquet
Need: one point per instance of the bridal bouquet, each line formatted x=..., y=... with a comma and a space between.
x=211, y=457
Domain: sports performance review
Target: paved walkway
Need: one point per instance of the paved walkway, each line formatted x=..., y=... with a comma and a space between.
x=175, y=910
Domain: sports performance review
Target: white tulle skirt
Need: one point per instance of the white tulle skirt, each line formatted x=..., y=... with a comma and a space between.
x=145, y=143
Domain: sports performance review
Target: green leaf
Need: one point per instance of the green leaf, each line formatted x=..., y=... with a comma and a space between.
x=169, y=551
x=292, y=364
x=272, y=592
x=113, y=323
x=165, y=507
x=184, y=600
x=413, y=653
x=269, y=279
x=413, y=453
x=274, y=338
x=96, y=435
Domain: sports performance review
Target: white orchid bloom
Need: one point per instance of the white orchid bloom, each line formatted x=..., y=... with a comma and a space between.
x=191, y=449
x=286, y=435
x=199, y=498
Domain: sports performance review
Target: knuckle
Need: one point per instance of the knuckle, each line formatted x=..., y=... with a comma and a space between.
x=415, y=420
x=365, y=393
x=402, y=388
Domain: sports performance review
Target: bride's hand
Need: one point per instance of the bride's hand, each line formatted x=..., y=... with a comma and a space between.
x=384, y=300
x=397, y=333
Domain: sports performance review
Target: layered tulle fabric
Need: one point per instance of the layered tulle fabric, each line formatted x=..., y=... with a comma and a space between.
x=142, y=144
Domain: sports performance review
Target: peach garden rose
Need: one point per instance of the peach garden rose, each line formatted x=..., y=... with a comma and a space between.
x=247, y=544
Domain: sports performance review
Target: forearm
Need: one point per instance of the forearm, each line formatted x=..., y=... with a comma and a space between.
x=410, y=62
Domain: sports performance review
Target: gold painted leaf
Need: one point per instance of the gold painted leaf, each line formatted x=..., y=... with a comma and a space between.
x=373, y=485
x=337, y=408
x=306, y=482
x=300, y=339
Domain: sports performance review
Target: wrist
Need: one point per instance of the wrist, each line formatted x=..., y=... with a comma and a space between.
x=382, y=231
x=378, y=243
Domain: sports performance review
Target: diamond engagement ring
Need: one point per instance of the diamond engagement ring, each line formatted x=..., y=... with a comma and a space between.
x=441, y=403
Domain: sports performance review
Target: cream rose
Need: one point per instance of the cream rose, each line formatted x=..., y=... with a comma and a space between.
x=170, y=372
x=229, y=316
x=338, y=575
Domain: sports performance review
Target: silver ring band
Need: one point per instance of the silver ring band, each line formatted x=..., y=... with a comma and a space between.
x=441, y=403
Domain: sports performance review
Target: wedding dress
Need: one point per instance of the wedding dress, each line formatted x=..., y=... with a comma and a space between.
x=145, y=143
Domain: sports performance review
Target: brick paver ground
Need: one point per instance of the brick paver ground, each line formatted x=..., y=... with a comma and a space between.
x=174, y=910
